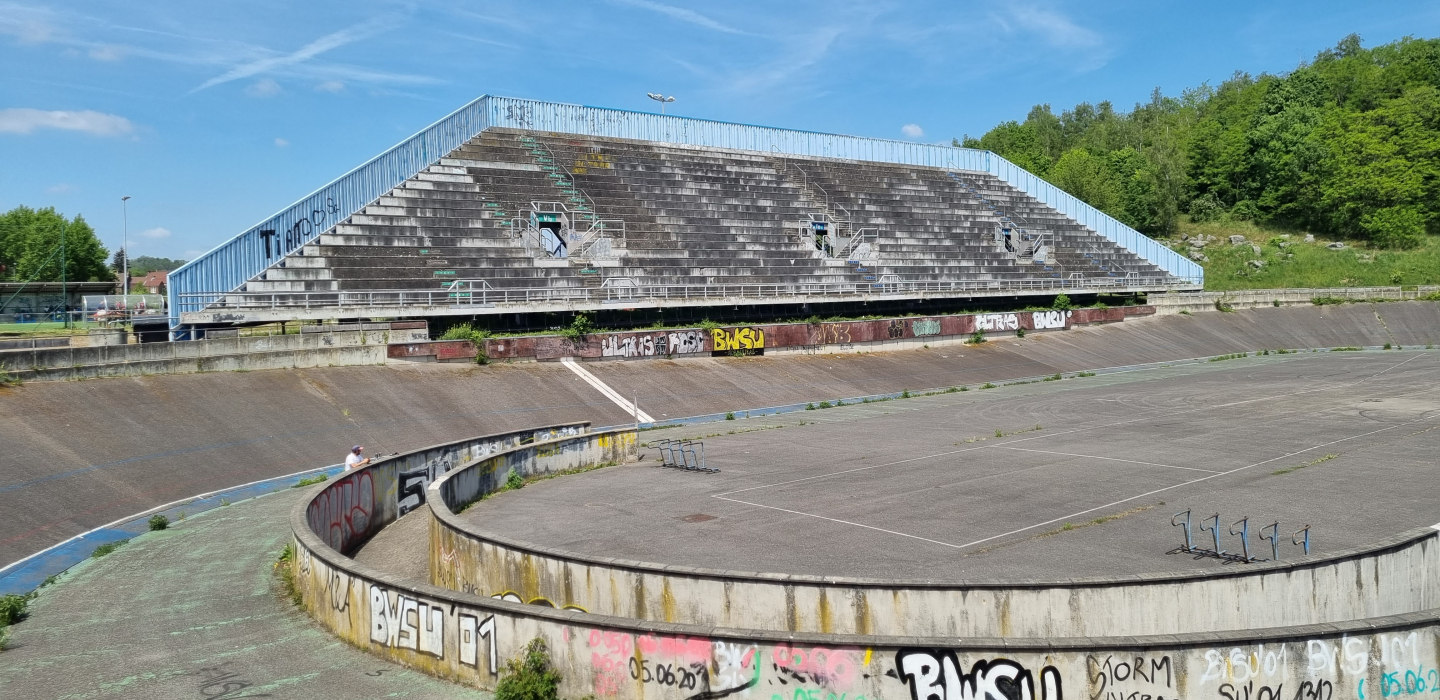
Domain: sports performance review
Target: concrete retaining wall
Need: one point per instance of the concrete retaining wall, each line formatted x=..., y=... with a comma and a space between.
x=1194, y=302
x=465, y=637
x=211, y=354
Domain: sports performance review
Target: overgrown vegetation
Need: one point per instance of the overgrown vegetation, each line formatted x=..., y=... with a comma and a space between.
x=8, y=379
x=107, y=548
x=977, y=337
x=579, y=327
x=310, y=481
x=529, y=677
x=1344, y=145
x=1231, y=356
x=13, y=609
x=465, y=331
x=1276, y=256
x=159, y=522
x=514, y=481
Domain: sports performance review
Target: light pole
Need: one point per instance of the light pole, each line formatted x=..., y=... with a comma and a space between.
x=661, y=99
x=125, y=249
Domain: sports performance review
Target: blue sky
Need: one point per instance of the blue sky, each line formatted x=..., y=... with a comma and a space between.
x=213, y=116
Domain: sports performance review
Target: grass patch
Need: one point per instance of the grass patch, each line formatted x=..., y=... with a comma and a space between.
x=1084, y=374
x=310, y=481
x=1231, y=356
x=1297, y=264
x=1348, y=348
x=988, y=385
x=1298, y=467
x=107, y=548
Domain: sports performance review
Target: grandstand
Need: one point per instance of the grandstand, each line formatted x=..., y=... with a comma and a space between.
x=515, y=206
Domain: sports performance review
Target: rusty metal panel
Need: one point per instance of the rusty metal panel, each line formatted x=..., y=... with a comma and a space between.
x=788, y=335
x=404, y=350
x=454, y=349
x=1142, y=310
x=408, y=325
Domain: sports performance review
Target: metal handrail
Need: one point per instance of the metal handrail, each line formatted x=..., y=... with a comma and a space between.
x=528, y=295
x=594, y=211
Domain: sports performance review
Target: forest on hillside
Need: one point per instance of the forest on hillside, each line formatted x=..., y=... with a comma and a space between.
x=1346, y=145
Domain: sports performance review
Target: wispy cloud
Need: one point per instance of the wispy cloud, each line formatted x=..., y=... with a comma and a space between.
x=681, y=14
x=315, y=48
x=156, y=233
x=281, y=143
x=482, y=40
x=62, y=188
x=21, y=120
x=1055, y=27
x=790, y=63
x=331, y=86
x=107, y=53
x=912, y=131
x=265, y=87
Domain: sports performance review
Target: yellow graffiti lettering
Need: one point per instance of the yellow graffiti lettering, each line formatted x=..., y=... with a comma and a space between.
x=738, y=339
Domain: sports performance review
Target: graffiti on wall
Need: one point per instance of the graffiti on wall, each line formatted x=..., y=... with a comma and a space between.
x=935, y=674
x=695, y=666
x=678, y=343
x=343, y=513
x=1130, y=677
x=399, y=621
x=925, y=326
x=1050, y=319
x=997, y=322
x=728, y=339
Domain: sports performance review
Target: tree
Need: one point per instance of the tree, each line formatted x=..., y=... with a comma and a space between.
x=1088, y=177
x=118, y=264
x=30, y=247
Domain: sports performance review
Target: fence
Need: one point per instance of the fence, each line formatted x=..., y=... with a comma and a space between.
x=228, y=266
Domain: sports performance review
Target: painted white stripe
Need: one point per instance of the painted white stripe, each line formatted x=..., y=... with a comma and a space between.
x=609, y=393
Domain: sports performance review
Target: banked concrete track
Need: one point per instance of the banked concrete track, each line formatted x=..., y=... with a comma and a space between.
x=81, y=454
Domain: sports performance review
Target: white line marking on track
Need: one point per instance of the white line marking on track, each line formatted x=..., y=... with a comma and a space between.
x=604, y=389
x=842, y=522
x=1108, y=459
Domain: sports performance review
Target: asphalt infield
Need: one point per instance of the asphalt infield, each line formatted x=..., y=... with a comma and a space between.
x=1044, y=480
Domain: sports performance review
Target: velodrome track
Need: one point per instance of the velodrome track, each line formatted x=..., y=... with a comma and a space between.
x=81, y=454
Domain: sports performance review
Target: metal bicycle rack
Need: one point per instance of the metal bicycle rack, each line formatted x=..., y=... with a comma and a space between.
x=683, y=454
x=1211, y=524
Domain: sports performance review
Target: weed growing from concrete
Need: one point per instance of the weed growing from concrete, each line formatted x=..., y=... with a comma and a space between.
x=1052, y=378
x=1084, y=374
x=1298, y=467
x=999, y=433
x=905, y=394
x=159, y=522
x=729, y=415
x=107, y=548
x=1275, y=303
x=310, y=481
x=287, y=575
x=809, y=406
x=988, y=385
x=1184, y=312
x=1221, y=306
x=8, y=379
x=1387, y=346
x=514, y=481
x=530, y=677
x=1345, y=349
x=977, y=337
x=1326, y=301
x=12, y=610
x=823, y=404
x=964, y=388
x=1019, y=332
x=1231, y=356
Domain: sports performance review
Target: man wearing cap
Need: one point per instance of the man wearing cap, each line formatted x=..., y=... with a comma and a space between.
x=355, y=460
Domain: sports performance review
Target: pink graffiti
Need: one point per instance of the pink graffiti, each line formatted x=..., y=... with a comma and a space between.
x=341, y=513
x=685, y=649
x=833, y=668
x=610, y=657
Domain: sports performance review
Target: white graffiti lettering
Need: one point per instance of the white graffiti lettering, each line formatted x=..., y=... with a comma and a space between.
x=1049, y=319
x=934, y=674
x=997, y=322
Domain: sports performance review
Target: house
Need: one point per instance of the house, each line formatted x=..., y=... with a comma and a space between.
x=151, y=283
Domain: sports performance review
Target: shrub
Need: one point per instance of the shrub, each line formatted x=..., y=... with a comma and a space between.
x=809, y=406
x=977, y=337
x=1387, y=346
x=1019, y=332
x=1084, y=374
x=707, y=325
x=729, y=415
x=579, y=327
x=159, y=522
x=988, y=385
x=529, y=677
x=1062, y=302
x=824, y=404
x=8, y=379
x=1275, y=302
x=905, y=394
x=1205, y=208
x=1395, y=227
x=13, y=608
x=514, y=481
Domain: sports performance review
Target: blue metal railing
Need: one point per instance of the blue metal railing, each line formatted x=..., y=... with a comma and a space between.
x=240, y=259
x=234, y=262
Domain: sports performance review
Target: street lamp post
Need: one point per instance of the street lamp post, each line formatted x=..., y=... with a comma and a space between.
x=125, y=249
x=658, y=97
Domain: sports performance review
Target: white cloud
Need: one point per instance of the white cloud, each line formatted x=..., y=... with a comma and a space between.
x=281, y=143
x=912, y=131
x=107, y=53
x=330, y=86
x=682, y=14
x=263, y=88
x=1054, y=26
x=156, y=233
x=192, y=254
x=62, y=188
x=22, y=120
x=315, y=48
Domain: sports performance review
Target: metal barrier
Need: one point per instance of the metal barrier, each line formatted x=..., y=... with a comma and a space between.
x=1245, y=557
x=481, y=295
x=681, y=454
x=231, y=264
